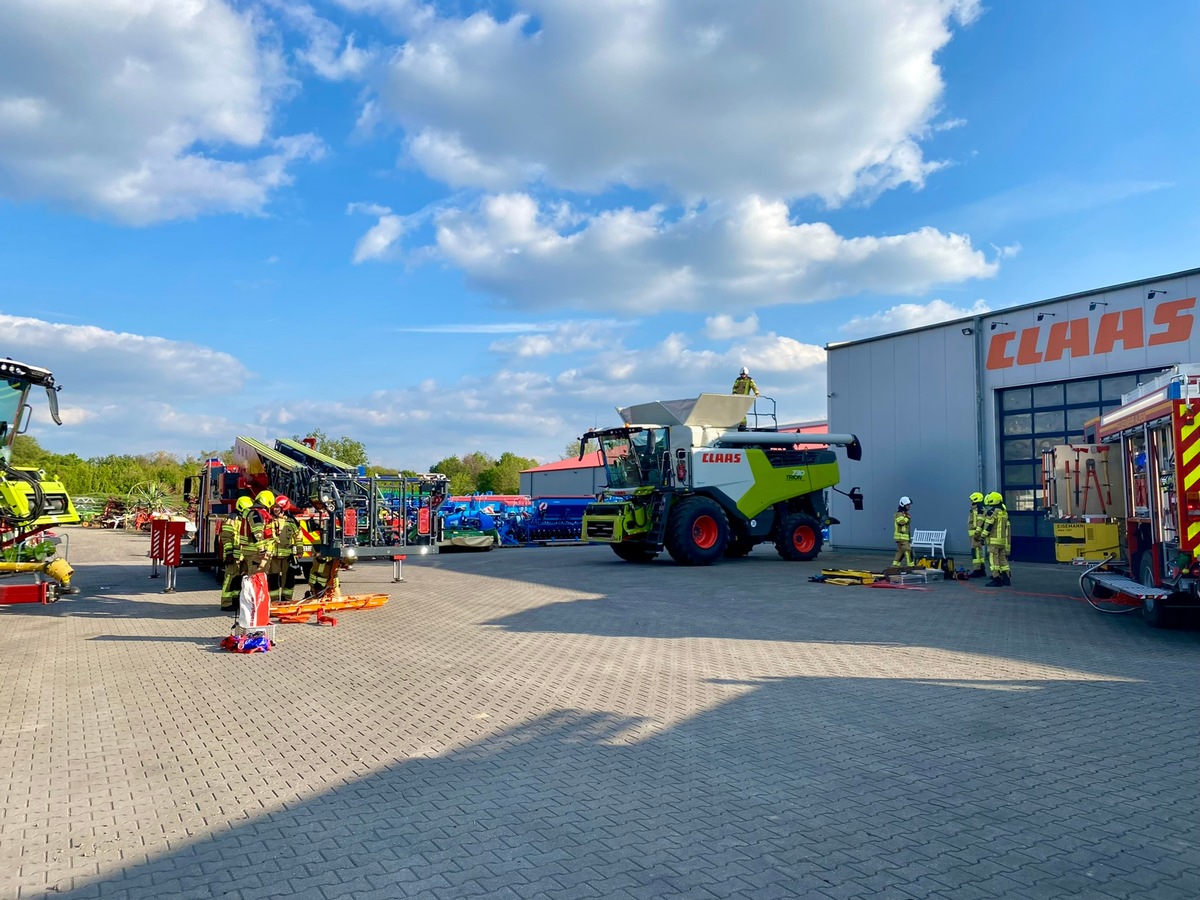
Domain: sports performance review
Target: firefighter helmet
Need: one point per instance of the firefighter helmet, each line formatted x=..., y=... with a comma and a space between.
x=904, y=501
x=745, y=371
x=266, y=498
x=977, y=497
x=349, y=556
x=282, y=503
x=243, y=504
x=995, y=498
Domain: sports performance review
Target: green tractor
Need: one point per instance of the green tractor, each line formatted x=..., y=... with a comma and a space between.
x=687, y=476
x=29, y=502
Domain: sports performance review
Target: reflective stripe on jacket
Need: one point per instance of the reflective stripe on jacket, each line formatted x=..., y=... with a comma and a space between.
x=976, y=520
x=999, y=532
x=903, y=527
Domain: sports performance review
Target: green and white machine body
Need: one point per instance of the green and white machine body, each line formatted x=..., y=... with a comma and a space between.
x=687, y=476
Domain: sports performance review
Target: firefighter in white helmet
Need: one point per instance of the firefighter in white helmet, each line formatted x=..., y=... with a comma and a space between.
x=744, y=384
x=902, y=534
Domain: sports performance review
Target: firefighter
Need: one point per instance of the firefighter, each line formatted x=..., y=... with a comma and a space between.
x=744, y=384
x=281, y=566
x=258, y=534
x=975, y=522
x=902, y=534
x=231, y=554
x=999, y=539
x=323, y=578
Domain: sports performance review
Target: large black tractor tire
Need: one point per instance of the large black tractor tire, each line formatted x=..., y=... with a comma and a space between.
x=697, y=532
x=635, y=553
x=799, y=537
x=1154, y=609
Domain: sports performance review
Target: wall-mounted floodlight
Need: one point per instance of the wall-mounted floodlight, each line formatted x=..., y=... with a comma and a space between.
x=968, y=331
x=1150, y=294
x=995, y=325
x=1043, y=315
x=1096, y=303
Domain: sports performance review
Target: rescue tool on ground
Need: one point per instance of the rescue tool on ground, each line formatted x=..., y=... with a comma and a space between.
x=683, y=476
x=30, y=502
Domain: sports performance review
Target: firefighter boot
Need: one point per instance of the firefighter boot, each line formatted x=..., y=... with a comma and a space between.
x=997, y=581
x=978, y=573
x=1005, y=580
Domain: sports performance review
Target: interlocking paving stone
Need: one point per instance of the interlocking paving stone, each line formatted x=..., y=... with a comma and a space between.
x=554, y=722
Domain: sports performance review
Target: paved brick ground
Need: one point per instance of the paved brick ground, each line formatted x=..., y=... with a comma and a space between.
x=556, y=723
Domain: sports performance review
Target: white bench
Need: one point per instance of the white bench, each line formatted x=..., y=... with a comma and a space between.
x=934, y=540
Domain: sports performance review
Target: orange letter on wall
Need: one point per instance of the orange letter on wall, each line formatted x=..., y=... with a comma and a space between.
x=1071, y=336
x=997, y=351
x=1179, y=325
x=1027, y=350
x=1124, y=326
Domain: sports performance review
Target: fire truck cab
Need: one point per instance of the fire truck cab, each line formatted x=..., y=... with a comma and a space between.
x=1158, y=436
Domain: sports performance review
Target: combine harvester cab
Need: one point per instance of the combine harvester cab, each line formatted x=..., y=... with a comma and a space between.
x=686, y=476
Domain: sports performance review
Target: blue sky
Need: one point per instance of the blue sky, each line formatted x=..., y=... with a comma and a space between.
x=446, y=227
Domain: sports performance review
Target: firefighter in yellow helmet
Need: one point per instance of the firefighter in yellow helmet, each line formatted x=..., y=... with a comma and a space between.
x=902, y=534
x=998, y=534
x=258, y=536
x=280, y=568
x=231, y=554
x=975, y=522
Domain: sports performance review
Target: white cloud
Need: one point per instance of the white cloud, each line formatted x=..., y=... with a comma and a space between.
x=120, y=108
x=563, y=337
x=128, y=393
x=377, y=243
x=911, y=315
x=723, y=327
x=702, y=98
x=711, y=259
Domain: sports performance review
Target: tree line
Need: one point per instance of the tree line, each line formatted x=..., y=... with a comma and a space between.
x=118, y=475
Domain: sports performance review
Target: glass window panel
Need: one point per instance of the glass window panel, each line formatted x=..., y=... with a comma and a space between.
x=1045, y=443
x=1077, y=418
x=1019, y=475
x=1048, y=395
x=1017, y=399
x=1020, y=500
x=1083, y=391
x=1053, y=420
x=1022, y=526
x=1018, y=449
x=1020, y=423
x=1112, y=388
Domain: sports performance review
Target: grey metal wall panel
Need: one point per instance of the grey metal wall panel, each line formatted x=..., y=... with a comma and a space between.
x=911, y=402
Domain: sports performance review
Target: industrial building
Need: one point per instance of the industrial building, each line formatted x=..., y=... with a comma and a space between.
x=971, y=404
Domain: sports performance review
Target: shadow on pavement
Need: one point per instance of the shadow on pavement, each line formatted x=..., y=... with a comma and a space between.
x=799, y=787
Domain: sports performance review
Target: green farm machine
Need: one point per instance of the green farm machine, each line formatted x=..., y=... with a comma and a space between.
x=687, y=476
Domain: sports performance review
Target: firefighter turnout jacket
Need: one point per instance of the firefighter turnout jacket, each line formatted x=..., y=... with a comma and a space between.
x=903, y=526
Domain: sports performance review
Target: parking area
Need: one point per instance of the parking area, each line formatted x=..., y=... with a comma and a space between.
x=553, y=722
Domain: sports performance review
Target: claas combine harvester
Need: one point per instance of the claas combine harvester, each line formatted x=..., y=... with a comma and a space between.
x=690, y=477
x=30, y=502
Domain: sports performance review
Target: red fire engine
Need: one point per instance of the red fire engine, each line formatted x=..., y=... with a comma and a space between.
x=1158, y=436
